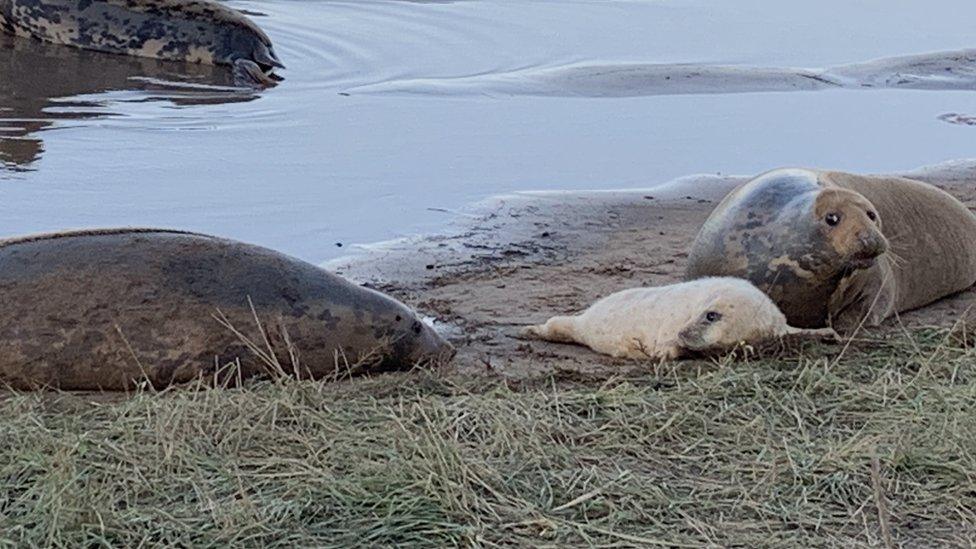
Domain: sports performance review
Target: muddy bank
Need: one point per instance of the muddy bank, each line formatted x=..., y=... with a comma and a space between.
x=518, y=259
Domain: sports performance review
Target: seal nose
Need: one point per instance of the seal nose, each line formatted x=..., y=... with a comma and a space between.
x=433, y=347
x=687, y=337
x=872, y=244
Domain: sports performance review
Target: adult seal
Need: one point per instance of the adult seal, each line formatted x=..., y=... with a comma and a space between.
x=193, y=31
x=112, y=309
x=833, y=248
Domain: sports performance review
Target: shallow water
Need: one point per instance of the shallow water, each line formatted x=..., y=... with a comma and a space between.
x=348, y=150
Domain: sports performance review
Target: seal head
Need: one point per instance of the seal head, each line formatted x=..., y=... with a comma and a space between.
x=851, y=226
x=738, y=313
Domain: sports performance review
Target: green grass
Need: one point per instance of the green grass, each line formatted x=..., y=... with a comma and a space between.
x=872, y=446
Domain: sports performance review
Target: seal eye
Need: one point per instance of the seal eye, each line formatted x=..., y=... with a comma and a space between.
x=872, y=216
x=712, y=316
x=832, y=219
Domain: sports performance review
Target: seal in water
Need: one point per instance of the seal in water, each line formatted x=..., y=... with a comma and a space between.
x=110, y=309
x=839, y=249
x=668, y=322
x=194, y=31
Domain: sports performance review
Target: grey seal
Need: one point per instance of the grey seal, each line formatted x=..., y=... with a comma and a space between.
x=708, y=315
x=111, y=309
x=193, y=31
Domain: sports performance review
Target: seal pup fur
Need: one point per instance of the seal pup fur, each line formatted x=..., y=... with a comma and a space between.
x=193, y=31
x=839, y=249
x=668, y=322
x=111, y=309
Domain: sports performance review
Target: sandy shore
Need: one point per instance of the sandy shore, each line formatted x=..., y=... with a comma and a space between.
x=518, y=259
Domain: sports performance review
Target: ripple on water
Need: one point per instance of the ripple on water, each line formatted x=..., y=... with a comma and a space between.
x=94, y=140
x=326, y=45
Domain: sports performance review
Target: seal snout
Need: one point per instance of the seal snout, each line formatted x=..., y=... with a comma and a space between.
x=695, y=336
x=438, y=351
x=432, y=346
x=871, y=245
x=690, y=337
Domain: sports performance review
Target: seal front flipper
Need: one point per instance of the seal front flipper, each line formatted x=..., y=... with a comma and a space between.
x=249, y=74
x=265, y=56
x=864, y=300
x=828, y=335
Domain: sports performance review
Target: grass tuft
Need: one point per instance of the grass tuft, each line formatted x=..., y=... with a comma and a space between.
x=875, y=446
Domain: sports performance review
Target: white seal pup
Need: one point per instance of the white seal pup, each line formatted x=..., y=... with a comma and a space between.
x=668, y=322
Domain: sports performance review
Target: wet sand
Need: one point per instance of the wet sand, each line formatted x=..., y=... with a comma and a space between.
x=518, y=259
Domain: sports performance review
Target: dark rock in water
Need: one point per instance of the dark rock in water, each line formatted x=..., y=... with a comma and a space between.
x=111, y=309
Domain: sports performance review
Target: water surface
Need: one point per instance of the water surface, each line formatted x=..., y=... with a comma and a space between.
x=345, y=152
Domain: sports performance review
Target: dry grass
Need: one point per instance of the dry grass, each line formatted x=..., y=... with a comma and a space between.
x=874, y=447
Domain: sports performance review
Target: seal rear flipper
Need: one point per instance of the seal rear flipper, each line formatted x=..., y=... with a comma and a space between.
x=249, y=74
x=561, y=329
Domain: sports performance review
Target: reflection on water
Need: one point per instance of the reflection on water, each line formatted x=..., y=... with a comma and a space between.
x=41, y=84
x=103, y=140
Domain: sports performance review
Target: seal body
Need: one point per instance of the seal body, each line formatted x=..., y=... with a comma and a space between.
x=839, y=249
x=193, y=31
x=668, y=322
x=111, y=309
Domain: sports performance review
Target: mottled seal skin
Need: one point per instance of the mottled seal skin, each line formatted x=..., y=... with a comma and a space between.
x=839, y=249
x=680, y=320
x=111, y=309
x=194, y=31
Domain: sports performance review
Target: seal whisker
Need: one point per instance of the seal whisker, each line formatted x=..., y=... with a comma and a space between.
x=895, y=259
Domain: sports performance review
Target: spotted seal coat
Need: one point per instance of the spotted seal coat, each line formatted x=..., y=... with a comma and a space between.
x=113, y=308
x=837, y=248
x=194, y=31
x=675, y=321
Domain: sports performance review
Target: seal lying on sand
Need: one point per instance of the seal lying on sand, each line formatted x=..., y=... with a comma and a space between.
x=839, y=249
x=668, y=322
x=110, y=309
x=194, y=31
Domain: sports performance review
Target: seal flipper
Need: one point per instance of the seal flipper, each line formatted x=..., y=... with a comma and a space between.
x=249, y=74
x=561, y=329
x=265, y=56
x=820, y=334
x=865, y=299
